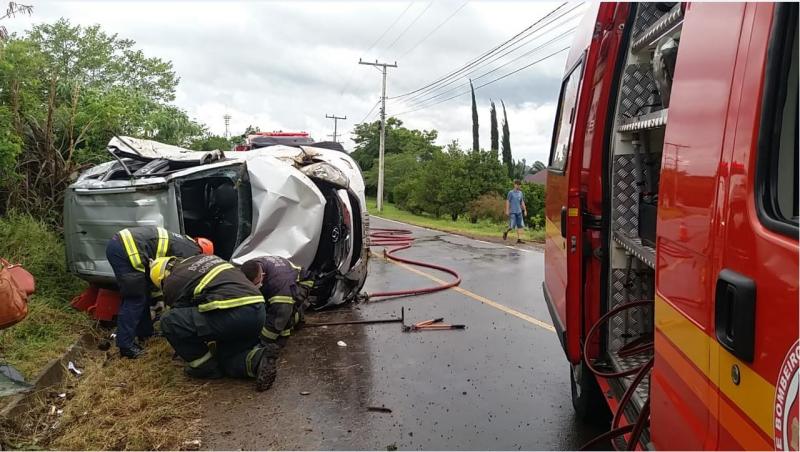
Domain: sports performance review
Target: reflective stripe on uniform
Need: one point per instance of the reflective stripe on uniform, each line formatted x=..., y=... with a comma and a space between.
x=210, y=276
x=281, y=299
x=230, y=303
x=201, y=360
x=131, y=250
x=269, y=334
x=286, y=333
x=307, y=283
x=163, y=243
x=249, y=361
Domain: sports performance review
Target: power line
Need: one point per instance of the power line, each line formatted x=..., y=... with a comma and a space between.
x=369, y=112
x=352, y=71
x=389, y=28
x=444, y=84
x=528, y=53
x=482, y=56
x=487, y=83
x=523, y=40
x=408, y=27
x=435, y=29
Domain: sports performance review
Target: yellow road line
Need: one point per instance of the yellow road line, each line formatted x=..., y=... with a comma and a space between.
x=477, y=297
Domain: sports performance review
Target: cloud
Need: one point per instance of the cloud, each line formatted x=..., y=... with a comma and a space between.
x=284, y=65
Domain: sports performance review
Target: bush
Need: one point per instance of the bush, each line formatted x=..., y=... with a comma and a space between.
x=489, y=206
x=534, y=201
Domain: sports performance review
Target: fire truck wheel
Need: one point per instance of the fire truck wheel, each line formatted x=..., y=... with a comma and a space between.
x=587, y=398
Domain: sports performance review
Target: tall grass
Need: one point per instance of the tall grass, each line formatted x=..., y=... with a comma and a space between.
x=51, y=325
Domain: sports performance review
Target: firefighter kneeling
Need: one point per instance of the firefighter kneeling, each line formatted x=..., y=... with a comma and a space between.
x=215, y=317
x=285, y=289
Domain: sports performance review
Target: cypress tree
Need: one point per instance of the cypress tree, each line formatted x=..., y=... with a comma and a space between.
x=507, y=160
x=475, y=142
x=494, y=131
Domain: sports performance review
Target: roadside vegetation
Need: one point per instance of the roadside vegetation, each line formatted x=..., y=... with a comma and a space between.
x=487, y=229
x=447, y=188
x=51, y=326
x=65, y=91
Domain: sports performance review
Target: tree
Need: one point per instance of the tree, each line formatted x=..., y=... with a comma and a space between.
x=397, y=168
x=475, y=141
x=398, y=140
x=12, y=10
x=519, y=169
x=209, y=142
x=64, y=92
x=507, y=159
x=251, y=129
x=494, y=132
x=536, y=167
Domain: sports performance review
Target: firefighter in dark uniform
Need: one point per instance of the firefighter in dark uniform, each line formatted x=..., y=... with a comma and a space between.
x=129, y=252
x=285, y=288
x=214, y=318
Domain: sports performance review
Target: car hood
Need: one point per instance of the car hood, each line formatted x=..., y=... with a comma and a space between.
x=288, y=210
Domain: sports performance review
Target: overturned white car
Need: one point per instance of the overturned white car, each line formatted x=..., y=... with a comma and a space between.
x=303, y=203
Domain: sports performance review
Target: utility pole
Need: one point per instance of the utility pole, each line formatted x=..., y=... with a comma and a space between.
x=383, y=66
x=335, y=123
x=227, y=119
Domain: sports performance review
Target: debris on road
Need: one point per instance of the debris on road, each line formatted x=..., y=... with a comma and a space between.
x=75, y=370
x=341, y=344
x=304, y=393
x=379, y=409
x=192, y=445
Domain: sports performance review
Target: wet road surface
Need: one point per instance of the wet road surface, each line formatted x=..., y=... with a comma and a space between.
x=501, y=384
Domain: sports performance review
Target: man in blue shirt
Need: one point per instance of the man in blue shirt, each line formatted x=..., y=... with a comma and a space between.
x=515, y=207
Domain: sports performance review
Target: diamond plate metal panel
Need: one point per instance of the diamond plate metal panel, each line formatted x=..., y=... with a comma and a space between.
x=647, y=14
x=629, y=362
x=632, y=323
x=625, y=198
x=638, y=89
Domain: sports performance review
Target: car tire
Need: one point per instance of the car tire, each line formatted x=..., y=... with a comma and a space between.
x=587, y=398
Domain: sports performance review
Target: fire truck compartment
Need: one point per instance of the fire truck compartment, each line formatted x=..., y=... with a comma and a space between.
x=640, y=118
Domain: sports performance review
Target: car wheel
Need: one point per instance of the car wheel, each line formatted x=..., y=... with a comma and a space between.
x=587, y=398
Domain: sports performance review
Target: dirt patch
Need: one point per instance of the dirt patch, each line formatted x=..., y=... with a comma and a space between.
x=115, y=404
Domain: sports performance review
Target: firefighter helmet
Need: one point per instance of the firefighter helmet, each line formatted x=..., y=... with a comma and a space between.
x=206, y=245
x=159, y=269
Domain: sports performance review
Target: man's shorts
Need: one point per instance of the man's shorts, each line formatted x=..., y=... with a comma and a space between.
x=515, y=221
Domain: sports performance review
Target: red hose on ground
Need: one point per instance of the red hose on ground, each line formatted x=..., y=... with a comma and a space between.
x=395, y=240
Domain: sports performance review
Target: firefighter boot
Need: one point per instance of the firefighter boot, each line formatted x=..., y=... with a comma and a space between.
x=209, y=370
x=134, y=352
x=267, y=367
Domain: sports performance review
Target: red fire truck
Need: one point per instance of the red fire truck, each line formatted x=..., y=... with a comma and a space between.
x=264, y=139
x=672, y=223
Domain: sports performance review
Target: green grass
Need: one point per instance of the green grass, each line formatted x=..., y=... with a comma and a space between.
x=51, y=325
x=482, y=228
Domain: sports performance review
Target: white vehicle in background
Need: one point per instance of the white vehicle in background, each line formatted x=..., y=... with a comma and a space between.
x=303, y=203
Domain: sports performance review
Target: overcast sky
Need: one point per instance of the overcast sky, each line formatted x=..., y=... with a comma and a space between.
x=285, y=65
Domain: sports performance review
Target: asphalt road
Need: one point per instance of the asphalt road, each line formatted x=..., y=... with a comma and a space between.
x=501, y=384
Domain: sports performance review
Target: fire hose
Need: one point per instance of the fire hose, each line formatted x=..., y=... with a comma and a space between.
x=630, y=349
x=396, y=240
